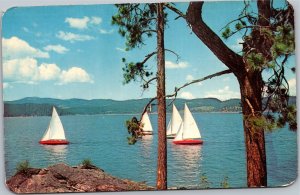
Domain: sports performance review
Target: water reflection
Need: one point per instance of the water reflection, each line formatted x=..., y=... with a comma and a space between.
x=146, y=146
x=184, y=163
x=147, y=160
x=147, y=140
x=56, y=153
x=188, y=153
x=186, y=166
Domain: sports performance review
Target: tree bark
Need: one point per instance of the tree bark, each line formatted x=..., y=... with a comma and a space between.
x=161, y=181
x=250, y=88
x=264, y=12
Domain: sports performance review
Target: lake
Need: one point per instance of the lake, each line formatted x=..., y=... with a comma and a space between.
x=102, y=139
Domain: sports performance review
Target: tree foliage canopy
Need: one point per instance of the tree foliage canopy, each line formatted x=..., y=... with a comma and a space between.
x=265, y=47
x=136, y=22
x=269, y=47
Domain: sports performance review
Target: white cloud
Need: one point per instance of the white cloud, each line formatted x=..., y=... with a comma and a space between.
x=103, y=31
x=95, y=20
x=238, y=46
x=48, y=72
x=187, y=95
x=27, y=71
x=16, y=48
x=68, y=36
x=22, y=70
x=172, y=65
x=38, y=34
x=75, y=74
x=292, y=86
x=189, y=77
x=56, y=48
x=226, y=79
x=25, y=29
x=223, y=94
x=79, y=23
x=6, y=85
x=83, y=23
x=120, y=49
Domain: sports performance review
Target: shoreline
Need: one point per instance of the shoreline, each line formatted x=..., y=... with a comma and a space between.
x=64, y=178
x=115, y=114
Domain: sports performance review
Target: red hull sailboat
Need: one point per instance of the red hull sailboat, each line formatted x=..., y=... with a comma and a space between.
x=54, y=142
x=189, y=133
x=55, y=134
x=189, y=142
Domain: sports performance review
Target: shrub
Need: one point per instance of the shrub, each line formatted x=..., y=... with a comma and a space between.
x=204, y=183
x=86, y=162
x=23, y=167
x=225, y=183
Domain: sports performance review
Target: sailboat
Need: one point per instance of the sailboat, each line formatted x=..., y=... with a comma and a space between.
x=174, y=123
x=55, y=134
x=189, y=133
x=146, y=124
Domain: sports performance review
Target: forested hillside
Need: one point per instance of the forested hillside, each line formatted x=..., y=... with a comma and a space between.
x=33, y=106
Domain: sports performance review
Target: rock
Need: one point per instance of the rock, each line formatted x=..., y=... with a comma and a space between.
x=43, y=171
x=63, y=178
x=108, y=188
x=85, y=188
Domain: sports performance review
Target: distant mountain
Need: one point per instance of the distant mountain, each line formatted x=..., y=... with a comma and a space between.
x=34, y=106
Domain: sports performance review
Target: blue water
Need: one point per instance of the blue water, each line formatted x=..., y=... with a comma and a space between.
x=102, y=139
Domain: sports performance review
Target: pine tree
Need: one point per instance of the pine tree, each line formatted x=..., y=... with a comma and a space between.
x=135, y=21
x=268, y=43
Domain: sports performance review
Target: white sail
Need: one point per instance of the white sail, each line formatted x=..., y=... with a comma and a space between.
x=169, y=127
x=55, y=130
x=175, y=122
x=190, y=128
x=46, y=136
x=179, y=134
x=146, y=123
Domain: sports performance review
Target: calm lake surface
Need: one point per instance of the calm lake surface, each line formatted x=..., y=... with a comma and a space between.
x=102, y=139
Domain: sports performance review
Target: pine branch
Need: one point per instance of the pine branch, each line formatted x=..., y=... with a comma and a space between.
x=147, y=57
x=197, y=81
x=185, y=85
x=148, y=31
x=247, y=27
x=173, y=52
x=232, y=60
x=146, y=107
x=146, y=84
x=228, y=24
x=174, y=9
x=250, y=106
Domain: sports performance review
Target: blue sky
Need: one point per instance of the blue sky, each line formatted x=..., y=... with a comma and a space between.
x=74, y=52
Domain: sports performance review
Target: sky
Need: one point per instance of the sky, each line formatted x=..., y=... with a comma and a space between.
x=74, y=52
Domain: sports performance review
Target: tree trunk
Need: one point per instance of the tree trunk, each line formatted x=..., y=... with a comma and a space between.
x=250, y=87
x=194, y=18
x=161, y=181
